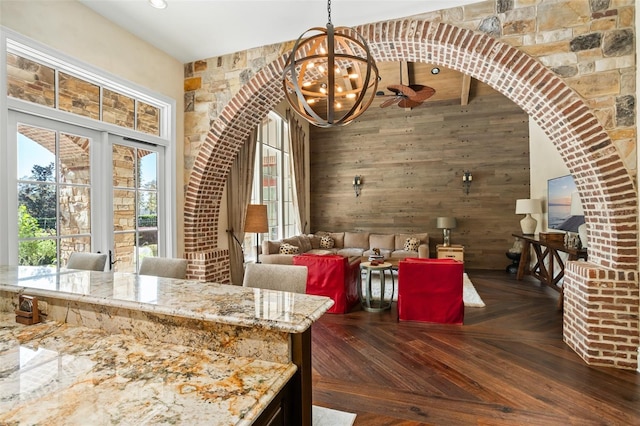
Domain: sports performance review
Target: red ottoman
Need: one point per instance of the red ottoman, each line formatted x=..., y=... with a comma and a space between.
x=332, y=276
x=430, y=290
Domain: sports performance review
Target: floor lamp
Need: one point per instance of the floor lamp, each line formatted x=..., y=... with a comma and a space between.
x=256, y=221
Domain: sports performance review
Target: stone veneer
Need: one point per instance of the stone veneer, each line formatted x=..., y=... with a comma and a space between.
x=569, y=64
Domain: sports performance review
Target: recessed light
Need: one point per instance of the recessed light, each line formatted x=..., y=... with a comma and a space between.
x=435, y=70
x=158, y=4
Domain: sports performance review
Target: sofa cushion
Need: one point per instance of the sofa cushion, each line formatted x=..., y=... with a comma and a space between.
x=315, y=241
x=289, y=249
x=305, y=243
x=321, y=252
x=326, y=242
x=271, y=247
x=294, y=241
x=338, y=239
x=411, y=244
x=350, y=252
x=402, y=238
x=356, y=240
x=382, y=241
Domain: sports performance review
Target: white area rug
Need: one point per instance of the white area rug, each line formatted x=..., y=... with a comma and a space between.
x=328, y=417
x=469, y=294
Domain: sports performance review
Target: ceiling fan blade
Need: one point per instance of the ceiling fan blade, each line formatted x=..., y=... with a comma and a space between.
x=401, y=88
x=422, y=92
x=408, y=103
x=389, y=101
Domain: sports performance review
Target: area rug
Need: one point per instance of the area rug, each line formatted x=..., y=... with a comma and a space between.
x=469, y=293
x=323, y=416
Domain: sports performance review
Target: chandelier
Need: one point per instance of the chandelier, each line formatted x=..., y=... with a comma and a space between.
x=330, y=77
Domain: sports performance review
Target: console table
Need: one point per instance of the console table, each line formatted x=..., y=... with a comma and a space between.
x=551, y=273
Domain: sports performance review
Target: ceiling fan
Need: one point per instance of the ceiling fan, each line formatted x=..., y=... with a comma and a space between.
x=409, y=96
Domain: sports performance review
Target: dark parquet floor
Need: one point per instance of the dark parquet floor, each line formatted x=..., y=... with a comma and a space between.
x=507, y=365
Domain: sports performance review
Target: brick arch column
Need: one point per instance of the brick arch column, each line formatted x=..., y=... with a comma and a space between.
x=607, y=189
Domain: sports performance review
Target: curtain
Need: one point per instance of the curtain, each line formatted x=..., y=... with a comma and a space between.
x=298, y=150
x=239, y=183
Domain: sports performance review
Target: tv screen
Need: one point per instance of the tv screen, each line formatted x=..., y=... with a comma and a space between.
x=559, y=192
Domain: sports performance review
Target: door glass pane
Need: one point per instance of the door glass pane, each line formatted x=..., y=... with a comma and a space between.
x=75, y=210
x=36, y=154
x=124, y=210
x=124, y=251
x=37, y=252
x=69, y=245
x=74, y=159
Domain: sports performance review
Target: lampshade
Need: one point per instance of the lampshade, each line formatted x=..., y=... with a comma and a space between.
x=576, y=205
x=256, y=219
x=330, y=77
x=525, y=206
x=446, y=223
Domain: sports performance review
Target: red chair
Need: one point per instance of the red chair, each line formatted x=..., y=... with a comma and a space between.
x=332, y=276
x=430, y=290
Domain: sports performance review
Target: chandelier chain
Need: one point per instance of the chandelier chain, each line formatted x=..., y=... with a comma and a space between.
x=329, y=10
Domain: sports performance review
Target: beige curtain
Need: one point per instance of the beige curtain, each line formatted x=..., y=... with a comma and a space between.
x=298, y=150
x=239, y=183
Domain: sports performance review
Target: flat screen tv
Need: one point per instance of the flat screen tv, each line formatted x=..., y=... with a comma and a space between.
x=559, y=192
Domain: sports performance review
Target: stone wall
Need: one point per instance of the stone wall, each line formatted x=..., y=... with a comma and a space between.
x=592, y=128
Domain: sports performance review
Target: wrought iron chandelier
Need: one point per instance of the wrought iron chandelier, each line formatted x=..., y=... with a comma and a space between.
x=330, y=77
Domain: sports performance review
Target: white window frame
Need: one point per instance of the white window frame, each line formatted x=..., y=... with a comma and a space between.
x=31, y=49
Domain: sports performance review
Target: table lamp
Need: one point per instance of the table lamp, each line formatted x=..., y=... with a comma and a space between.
x=527, y=207
x=446, y=224
x=256, y=221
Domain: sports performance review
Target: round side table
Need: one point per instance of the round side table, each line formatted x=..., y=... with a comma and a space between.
x=365, y=299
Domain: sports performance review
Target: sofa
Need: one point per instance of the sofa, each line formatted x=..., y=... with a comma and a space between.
x=333, y=276
x=349, y=244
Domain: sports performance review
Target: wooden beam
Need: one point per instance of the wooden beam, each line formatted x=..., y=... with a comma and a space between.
x=466, y=85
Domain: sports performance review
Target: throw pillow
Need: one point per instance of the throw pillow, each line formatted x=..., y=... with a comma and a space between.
x=411, y=244
x=289, y=249
x=326, y=242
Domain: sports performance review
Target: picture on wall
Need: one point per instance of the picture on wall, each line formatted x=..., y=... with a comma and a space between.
x=559, y=191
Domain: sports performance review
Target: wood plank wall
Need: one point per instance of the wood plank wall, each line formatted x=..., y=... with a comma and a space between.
x=412, y=164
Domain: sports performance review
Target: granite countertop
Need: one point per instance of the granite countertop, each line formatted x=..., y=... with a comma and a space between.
x=57, y=374
x=221, y=303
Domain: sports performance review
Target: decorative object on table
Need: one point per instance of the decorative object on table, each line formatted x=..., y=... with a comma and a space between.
x=552, y=237
x=330, y=77
x=256, y=221
x=526, y=207
x=467, y=177
x=446, y=224
x=357, y=184
x=27, y=312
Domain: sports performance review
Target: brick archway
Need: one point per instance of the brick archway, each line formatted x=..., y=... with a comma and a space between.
x=605, y=185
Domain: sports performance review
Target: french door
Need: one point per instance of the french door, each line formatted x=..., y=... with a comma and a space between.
x=76, y=189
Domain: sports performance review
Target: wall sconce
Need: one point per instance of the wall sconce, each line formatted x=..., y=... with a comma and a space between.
x=466, y=181
x=357, y=184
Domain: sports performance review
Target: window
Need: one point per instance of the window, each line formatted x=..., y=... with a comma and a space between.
x=86, y=164
x=272, y=182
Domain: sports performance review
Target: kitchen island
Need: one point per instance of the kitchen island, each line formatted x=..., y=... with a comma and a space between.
x=254, y=323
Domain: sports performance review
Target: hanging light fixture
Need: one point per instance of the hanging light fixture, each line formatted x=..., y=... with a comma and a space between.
x=330, y=77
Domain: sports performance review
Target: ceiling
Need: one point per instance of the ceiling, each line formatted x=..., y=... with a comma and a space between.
x=189, y=30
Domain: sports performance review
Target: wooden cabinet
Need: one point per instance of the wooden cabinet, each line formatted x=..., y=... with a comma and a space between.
x=450, y=252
